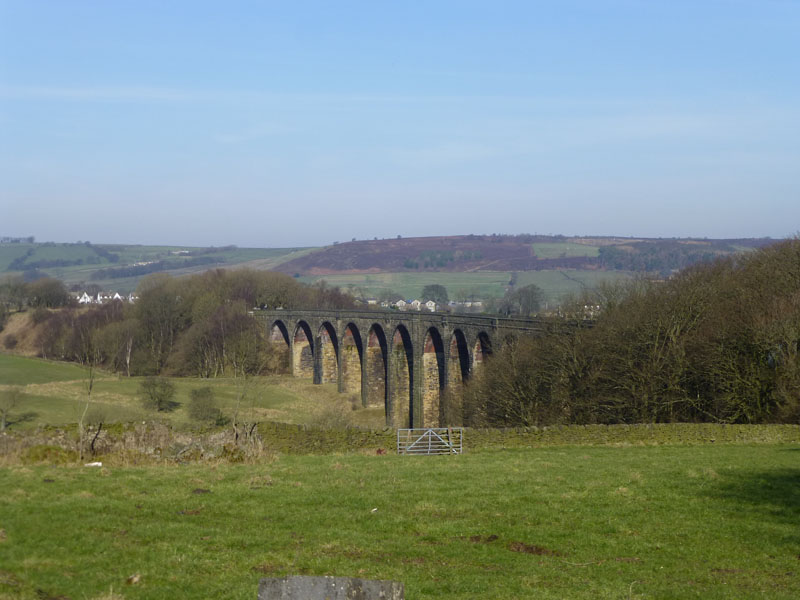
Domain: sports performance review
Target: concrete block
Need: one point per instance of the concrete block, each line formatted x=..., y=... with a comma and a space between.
x=301, y=587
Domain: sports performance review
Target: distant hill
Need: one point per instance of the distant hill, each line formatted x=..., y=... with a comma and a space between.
x=120, y=267
x=470, y=266
x=471, y=253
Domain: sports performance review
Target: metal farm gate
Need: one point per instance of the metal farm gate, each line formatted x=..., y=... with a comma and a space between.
x=444, y=440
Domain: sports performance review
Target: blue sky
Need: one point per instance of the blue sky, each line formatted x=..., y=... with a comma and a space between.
x=303, y=123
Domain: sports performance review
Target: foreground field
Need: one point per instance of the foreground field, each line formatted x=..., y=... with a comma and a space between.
x=570, y=522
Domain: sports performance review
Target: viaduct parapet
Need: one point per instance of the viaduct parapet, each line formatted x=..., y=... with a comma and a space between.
x=404, y=362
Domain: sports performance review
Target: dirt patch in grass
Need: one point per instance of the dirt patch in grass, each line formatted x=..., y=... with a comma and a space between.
x=266, y=569
x=192, y=511
x=7, y=578
x=532, y=549
x=481, y=539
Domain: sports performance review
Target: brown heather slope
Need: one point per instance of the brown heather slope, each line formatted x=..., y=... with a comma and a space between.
x=467, y=253
x=445, y=253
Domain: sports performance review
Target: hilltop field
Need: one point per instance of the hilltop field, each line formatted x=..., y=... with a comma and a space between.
x=120, y=267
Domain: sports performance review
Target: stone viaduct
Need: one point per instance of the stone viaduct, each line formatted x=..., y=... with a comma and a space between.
x=401, y=361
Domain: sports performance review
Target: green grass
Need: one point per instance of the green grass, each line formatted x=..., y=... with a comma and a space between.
x=55, y=394
x=481, y=284
x=10, y=252
x=570, y=522
x=20, y=370
x=411, y=284
x=62, y=251
x=564, y=250
x=257, y=258
x=557, y=285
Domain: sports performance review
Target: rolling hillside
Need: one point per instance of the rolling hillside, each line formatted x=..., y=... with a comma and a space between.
x=120, y=267
x=469, y=266
x=473, y=253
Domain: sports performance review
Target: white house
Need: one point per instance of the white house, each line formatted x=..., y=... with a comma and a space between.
x=401, y=304
x=415, y=304
x=101, y=298
x=431, y=305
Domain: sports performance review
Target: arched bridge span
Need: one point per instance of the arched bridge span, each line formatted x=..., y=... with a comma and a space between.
x=405, y=362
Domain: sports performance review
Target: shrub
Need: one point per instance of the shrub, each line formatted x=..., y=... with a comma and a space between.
x=157, y=394
x=203, y=406
x=49, y=454
x=335, y=416
x=10, y=342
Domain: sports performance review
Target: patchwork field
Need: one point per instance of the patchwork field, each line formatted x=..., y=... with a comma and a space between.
x=556, y=284
x=564, y=250
x=79, y=262
x=570, y=522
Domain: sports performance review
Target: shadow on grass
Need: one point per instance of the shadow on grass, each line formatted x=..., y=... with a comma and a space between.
x=774, y=493
x=25, y=417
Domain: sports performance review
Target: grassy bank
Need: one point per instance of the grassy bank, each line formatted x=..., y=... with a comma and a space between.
x=55, y=394
x=569, y=522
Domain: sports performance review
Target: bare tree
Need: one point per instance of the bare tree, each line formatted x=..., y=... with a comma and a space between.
x=10, y=399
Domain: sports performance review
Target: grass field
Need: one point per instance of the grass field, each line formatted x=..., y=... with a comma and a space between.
x=480, y=284
x=55, y=393
x=564, y=250
x=257, y=258
x=570, y=522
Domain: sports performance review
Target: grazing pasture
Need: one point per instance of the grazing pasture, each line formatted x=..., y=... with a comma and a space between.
x=564, y=522
x=55, y=394
x=478, y=285
x=564, y=249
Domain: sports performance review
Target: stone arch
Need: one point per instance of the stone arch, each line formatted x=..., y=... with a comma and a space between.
x=328, y=354
x=278, y=332
x=350, y=357
x=433, y=368
x=402, y=378
x=303, y=351
x=458, y=371
x=375, y=368
x=481, y=350
x=281, y=345
x=459, y=368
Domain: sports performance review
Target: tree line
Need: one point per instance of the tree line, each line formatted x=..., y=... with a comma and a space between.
x=197, y=325
x=153, y=267
x=717, y=342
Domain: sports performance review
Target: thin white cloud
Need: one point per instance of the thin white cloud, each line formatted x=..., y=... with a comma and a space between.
x=147, y=93
x=95, y=94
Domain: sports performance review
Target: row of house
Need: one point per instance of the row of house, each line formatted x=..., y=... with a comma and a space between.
x=429, y=305
x=102, y=298
x=415, y=305
x=404, y=304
